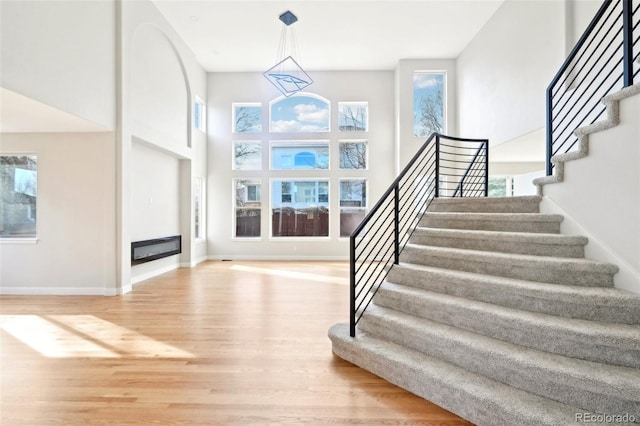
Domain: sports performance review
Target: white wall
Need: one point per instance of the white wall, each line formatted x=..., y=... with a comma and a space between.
x=155, y=193
x=376, y=88
x=503, y=73
x=160, y=78
x=600, y=196
x=160, y=98
x=61, y=53
x=75, y=251
x=155, y=202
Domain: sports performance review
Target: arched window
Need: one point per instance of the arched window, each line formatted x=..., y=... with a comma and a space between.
x=299, y=113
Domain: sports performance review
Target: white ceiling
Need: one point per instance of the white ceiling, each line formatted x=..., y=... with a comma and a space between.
x=242, y=35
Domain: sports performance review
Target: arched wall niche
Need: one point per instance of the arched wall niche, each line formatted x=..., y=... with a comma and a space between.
x=160, y=93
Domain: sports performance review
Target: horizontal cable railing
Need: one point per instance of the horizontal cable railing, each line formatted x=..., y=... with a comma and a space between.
x=443, y=167
x=602, y=62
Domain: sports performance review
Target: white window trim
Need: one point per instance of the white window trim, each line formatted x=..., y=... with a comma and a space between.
x=300, y=143
x=305, y=239
x=365, y=142
x=357, y=103
x=203, y=114
x=234, y=181
x=233, y=117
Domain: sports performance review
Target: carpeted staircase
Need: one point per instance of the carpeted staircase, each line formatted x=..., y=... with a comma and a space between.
x=495, y=316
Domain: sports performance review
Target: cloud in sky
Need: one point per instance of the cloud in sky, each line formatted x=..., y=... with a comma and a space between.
x=294, y=126
x=423, y=81
x=311, y=113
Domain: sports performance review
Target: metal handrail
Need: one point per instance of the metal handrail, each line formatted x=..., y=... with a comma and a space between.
x=376, y=243
x=602, y=61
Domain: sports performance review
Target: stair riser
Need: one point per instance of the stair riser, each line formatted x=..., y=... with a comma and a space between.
x=563, y=341
x=538, y=227
x=530, y=269
x=600, y=397
x=503, y=246
x=485, y=291
x=487, y=205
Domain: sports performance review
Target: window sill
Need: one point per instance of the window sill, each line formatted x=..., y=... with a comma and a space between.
x=10, y=240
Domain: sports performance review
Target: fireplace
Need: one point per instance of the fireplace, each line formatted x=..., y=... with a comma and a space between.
x=147, y=250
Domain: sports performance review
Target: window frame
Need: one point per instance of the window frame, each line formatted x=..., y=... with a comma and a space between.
x=364, y=207
x=235, y=105
x=234, y=164
x=302, y=144
x=364, y=142
x=353, y=103
x=254, y=181
x=199, y=114
x=319, y=98
x=200, y=193
x=445, y=120
x=32, y=237
x=326, y=205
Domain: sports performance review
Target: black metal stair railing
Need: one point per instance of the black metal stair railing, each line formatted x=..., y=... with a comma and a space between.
x=602, y=62
x=444, y=166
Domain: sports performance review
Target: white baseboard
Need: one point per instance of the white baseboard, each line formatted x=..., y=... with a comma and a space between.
x=284, y=258
x=59, y=291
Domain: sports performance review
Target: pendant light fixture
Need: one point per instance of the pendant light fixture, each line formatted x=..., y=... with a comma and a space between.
x=287, y=75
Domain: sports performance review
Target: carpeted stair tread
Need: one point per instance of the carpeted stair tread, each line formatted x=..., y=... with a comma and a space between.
x=603, y=388
x=522, y=204
x=617, y=344
x=606, y=304
x=509, y=222
x=470, y=395
x=549, y=269
x=509, y=242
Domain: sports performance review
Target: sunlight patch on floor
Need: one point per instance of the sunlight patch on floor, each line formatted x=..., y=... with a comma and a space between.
x=69, y=336
x=292, y=274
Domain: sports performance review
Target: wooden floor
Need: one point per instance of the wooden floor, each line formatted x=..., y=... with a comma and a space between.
x=221, y=344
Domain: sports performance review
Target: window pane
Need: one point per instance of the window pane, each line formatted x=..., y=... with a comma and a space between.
x=300, y=114
x=353, y=200
x=247, y=118
x=299, y=155
x=19, y=190
x=248, y=208
x=353, y=116
x=300, y=208
x=199, y=114
x=198, y=207
x=428, y=103
x=353, y=155
x=247, y=156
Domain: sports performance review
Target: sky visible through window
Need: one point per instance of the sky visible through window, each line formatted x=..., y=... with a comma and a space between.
x=428, y=103
x=300, y=114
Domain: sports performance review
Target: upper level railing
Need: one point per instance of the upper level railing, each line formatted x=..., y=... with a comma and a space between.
x=443, y=167
x=602, y=62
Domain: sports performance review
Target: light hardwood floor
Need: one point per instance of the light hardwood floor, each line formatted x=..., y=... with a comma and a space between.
x=223, y=343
